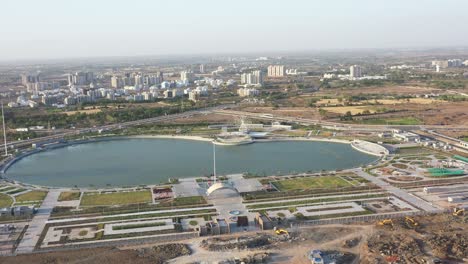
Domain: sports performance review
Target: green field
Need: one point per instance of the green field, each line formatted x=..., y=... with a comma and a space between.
x=69, y=196
x=16, y=191
x=414, y=151
x=392, y=121
x=184, y=201
x=117, y=198
x=311, y=183
x=31, y=196
x=9, y=188
x=5, y=200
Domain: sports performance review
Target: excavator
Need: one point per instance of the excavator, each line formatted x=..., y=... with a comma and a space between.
x=410, y=222
x=458, y=211
x=385, y=222
x=280, y=231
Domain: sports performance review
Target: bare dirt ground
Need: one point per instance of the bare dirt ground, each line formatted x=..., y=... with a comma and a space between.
x=437, y=113
x=453, y=113
x=440, y=236
x=384, y=90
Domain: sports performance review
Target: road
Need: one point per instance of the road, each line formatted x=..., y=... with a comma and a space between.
x=115, y=126
x=38, y=222
x=222, y=110
x=400, y=193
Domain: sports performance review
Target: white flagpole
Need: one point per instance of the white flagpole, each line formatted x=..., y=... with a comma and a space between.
x=214, y=163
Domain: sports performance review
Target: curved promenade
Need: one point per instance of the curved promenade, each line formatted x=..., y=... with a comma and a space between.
x=369, y=148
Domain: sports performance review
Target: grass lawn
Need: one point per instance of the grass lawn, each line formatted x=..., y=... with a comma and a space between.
x=31, y=196
x=190, y=200
x=414, y=150
x=311, y=183
x=16, y=191
x=9, y=188
x=391, y=121
x=69, y=196
x=5, y=200
x=117, y=198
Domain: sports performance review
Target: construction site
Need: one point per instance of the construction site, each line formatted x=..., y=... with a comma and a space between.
x=438, y=238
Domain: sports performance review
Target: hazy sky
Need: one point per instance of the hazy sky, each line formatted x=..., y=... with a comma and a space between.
x=31, y=29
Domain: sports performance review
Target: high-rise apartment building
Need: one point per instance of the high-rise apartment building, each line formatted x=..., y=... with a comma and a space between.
x=186, y=76
x=252, y=78
x=355, y=71
x=27, y=78
x=276, y=71
x=80, y=78
x=117, y=82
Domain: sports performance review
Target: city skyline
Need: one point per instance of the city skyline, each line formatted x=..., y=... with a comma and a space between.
x=59, y=30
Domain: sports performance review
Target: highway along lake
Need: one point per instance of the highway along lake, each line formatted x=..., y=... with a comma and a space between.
x=127, y=162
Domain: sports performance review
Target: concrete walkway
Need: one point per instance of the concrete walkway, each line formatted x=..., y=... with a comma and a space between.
x=226, y=200
x=400, y=193
x=187, y=187
x=245, y=185
x=37, y=224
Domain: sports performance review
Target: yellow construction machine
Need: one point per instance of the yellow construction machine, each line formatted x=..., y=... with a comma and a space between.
x=410, y=222
x=458, y=211
x=280, y=231
x=385, y=222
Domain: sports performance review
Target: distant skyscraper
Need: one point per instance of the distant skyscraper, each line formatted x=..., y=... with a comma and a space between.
x=160, y=76
x=117, y=82
x=355, y=71
x=276, y=71
x=27, y=79
x=202, y=68
x=139, y=79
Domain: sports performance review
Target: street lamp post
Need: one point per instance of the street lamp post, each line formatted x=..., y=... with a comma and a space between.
x=214, y=163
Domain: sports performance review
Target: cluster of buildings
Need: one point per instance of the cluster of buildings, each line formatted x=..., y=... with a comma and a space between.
x=80, y=78
x=253, y=78
x=34, y=83
x=86, y=86
x=136, y=79
x=355, y=74
x=82, y=87
x=247, y=92
x=451, y=63
x=22, y=101
x=276, y=71
x=410, y=137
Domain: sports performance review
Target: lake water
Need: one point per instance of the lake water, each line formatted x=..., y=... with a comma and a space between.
x=150, y=161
